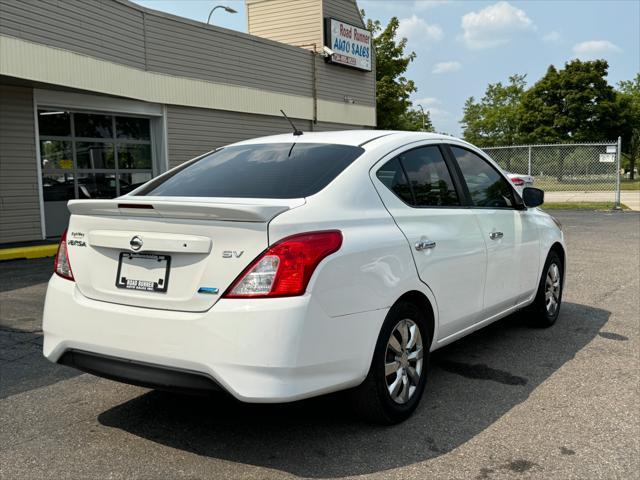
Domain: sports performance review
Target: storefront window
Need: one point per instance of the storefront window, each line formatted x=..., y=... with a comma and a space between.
x=85, y=155
x=132, y=128
x=134, y=156
x=57, y=187
x=95, y=155
x=96, y=185
x=54, y=122
x=131, y=181
x=56, y=155
x=93, y=126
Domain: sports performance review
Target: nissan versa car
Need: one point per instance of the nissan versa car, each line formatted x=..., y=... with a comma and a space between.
x=290, y=266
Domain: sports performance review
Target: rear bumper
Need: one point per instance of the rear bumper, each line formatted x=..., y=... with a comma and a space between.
x=139, y=373
x=260, y=350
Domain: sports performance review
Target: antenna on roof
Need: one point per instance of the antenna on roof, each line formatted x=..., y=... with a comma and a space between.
x=296, y=132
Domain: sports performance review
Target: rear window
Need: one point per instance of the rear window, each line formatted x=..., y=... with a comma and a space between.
x=274, y=170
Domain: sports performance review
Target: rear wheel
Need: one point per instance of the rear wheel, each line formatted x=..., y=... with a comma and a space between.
x=397, y=377
x=546, y=307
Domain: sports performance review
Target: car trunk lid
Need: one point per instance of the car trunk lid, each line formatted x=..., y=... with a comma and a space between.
x=173, y=254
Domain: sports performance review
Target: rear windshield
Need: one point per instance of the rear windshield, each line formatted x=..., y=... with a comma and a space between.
x=274, y=170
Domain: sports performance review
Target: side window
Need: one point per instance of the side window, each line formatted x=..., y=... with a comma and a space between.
x=487, y=187
x=392, y=175
x=429, y=177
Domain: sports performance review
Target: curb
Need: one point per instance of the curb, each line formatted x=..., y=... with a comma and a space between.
x=37, y=251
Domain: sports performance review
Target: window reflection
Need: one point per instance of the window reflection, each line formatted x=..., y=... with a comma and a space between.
x=95, y=155
x=93, y=126
x=132, y=128
x=56, y=155
x=487, y=187
x=429, y=177
x=81, y=153
x=134, y=156
x=54, y=123
x=392, y=176
x=131, y=181
x=96, y=185
x=57, y=187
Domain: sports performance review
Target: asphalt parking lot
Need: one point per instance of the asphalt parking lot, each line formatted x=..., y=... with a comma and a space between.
x=506, y=402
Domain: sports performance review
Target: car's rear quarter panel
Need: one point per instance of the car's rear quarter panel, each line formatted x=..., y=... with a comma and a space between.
x=373, y=268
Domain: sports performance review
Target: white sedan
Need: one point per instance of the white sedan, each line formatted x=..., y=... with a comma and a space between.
x=290, y=266
x=520, y=181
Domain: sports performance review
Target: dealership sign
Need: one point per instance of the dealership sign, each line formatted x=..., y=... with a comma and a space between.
x=351, y=45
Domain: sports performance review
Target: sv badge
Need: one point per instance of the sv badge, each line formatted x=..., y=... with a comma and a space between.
x=232, y=254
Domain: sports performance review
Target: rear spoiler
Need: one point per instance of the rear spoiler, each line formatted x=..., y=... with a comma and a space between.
x=210, y=209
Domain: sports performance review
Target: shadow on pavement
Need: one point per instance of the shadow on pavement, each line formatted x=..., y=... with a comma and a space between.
x=473, y=383
x=22, y=365
x=17, y=274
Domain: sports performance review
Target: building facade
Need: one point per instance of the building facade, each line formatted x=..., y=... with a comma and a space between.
x=98, y=96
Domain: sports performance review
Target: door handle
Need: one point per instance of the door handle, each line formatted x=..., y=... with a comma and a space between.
x=496, y=235
x=425, y=244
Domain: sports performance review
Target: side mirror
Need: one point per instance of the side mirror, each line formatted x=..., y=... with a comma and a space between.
x=532, y=197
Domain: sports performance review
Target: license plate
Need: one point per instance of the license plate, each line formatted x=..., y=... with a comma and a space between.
x=143, y=271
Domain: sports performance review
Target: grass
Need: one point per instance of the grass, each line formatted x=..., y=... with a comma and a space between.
x=581, y=206
x=630, y=184
x=551, y=184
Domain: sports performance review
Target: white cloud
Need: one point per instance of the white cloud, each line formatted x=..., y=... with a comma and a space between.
x=427, y=101
x=494, y=25
x=438, y=113
x=415, y=29
x=595, y=49
x=447, y=67
x=551, y=37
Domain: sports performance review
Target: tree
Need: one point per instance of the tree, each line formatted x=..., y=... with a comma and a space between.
x=571, y=105
x=413, y=120
x=392, y=87
x=629, y=97
x=495, y=120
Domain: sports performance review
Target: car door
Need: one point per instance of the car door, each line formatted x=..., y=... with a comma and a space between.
x=424, y=198
x=508, y=230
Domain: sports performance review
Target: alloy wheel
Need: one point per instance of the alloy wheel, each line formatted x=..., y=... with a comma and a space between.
x=552, y=289
x=404, y=361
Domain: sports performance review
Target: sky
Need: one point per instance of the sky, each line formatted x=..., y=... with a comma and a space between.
x=463, y=45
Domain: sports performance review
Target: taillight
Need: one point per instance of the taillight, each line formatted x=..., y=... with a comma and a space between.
x=285, y=268
x=518, y=182
x=62, y=266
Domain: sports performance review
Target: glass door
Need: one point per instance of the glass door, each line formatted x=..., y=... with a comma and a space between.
x=89, y=155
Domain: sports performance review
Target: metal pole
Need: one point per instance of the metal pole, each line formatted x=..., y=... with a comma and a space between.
x=226, y=9
x=314, y=72
x=618, y=152
x=423, y=119
x=211, y=12
x=529, y=167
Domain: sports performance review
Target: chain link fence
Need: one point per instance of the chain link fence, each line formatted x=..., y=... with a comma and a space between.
x=577, y=167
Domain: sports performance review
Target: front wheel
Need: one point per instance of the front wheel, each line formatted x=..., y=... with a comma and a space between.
x=545, y=309
x=396, y=380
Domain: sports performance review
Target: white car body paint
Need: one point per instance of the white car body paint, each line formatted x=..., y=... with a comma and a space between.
x=289, y=348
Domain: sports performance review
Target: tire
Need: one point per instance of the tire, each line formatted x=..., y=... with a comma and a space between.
x=372, y=399
x=543, y=313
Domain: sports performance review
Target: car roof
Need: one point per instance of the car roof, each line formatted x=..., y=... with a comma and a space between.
x=344, y=137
